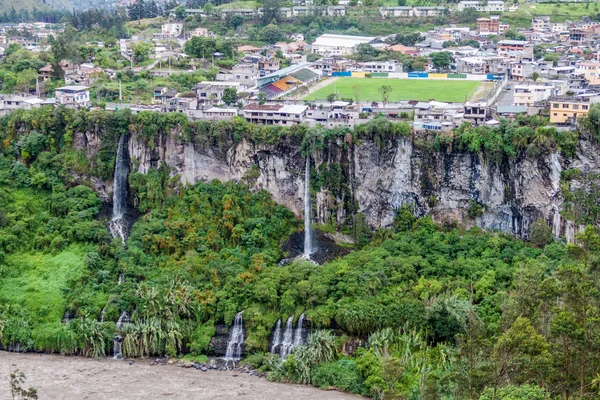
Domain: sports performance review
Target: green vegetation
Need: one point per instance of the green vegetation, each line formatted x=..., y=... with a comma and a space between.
x=402, y=89
x=441, y=312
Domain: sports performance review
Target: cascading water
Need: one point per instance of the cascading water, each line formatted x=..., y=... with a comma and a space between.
x=276, y=337
x=236, y=338
x=299, y=334
x=117, y=223
x=118, y=339
x=102, y=315
x=288, y=338
x=307, y=211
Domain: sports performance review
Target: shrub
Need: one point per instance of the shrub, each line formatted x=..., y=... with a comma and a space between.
x=342, y=374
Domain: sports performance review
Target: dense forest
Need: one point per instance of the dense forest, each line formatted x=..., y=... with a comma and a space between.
x=438, y=312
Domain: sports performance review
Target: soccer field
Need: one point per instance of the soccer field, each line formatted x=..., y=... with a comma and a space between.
x=402, y=89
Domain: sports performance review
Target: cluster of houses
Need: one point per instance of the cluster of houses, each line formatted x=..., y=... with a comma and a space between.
x=27, y=35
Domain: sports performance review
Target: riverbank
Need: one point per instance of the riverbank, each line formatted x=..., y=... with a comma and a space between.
x=70, y=378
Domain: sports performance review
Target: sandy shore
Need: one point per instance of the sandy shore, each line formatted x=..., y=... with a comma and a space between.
x=75, y=378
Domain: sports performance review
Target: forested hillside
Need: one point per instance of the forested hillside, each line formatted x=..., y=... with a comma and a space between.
x=436, y=312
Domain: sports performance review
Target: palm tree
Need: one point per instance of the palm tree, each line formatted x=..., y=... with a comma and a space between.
x=535, y=76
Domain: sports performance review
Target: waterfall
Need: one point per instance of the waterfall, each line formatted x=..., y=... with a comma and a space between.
x=299, y=333
x=288, y=338
x=118, y=339
x=123, y=319
x=276, y=337
x=307, y=211
x=236, y=338
x=117, y=226
x=102, y=314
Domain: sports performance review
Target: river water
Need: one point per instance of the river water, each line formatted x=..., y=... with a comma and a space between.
x=70, y=378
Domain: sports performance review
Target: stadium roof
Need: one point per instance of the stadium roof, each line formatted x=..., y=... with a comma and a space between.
x=342, y=40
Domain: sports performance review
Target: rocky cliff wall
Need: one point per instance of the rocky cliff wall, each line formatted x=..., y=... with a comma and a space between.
x=377, y=181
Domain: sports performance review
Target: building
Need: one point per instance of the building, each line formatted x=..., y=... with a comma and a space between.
x=169, y=31
x=528, y=95
x=396, y=12
x=219, y=114
x=12, y=102
x=591, y=71
x=72, y=96
x=488, y=26
x=567, y=110
x=46, y=72
x=482, y=6
x=476, y=113
x=275, y=114
x=382, y=66
x=541, y=23
x=505, y=46
x=437, y=116
x=340, y=45
x=411, y=51
x=212, y=92
x=246, y=74
x=268, y=65
x=520, y=71
x=424, y=12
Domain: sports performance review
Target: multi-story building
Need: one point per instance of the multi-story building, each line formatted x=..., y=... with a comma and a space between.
x=437, y=116
x=591, y=71
x=488, y=26
x=268, y=65
x=482, y=6
x=275, y=114
x=541, y=23
x=12, y=102
x=520, y=71
x=505, y=46
x=476, y=113
x=72, y=96
x=567, y=110
x=246, y=74
x=528, y=95
x=212, y=92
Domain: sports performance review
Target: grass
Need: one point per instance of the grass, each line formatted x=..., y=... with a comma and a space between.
x=36, y=282
x=402, y=89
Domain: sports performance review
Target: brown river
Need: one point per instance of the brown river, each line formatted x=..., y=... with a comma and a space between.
x=75, y=378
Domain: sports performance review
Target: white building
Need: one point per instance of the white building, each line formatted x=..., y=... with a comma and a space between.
x=341, y=45
x=72, y=96
x=172, y=30
x=482, y=6
x=275, y=114
x=527, y=95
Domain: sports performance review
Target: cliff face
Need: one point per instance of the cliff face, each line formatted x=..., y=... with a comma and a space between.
x=445, y=184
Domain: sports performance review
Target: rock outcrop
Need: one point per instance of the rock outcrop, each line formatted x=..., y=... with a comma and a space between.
x=377, y=180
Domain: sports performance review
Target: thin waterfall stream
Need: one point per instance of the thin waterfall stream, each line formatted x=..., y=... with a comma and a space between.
x=117, y=223
x=288, y=338
x=236, y=338
x=308, y=250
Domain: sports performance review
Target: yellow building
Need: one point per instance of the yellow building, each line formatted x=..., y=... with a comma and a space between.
x=591, y=72
x=565, y=110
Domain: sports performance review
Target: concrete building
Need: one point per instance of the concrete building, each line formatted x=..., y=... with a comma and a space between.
x=528, y=95
x=219, y=114
x=72, y=96
x=488, y=26
x=482, y=6
x=212, y=92
x=541, y=23
x=275, y=114
x=567, y=110
x=246, y=74
x=340, y=45
x=506, y=46
x=591, y=71
x=438, y=116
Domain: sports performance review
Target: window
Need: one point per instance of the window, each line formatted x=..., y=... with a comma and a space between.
x=575, y=106
x=565, y=106
x=584, y=107
x=555, y=114
x=555, y=105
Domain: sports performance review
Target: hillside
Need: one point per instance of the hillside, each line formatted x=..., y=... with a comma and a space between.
x=416, y=310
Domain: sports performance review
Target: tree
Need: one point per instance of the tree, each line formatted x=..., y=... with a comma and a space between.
x=441, y=59
x=366, y=52
x=141, y=51
x=384, y=92
x=356, y=89
x=271, y=11
x=236, y=20
x=535, y=76
x=541, y=234
x=262, y=98
x=401, y=3
x=230, y=96
x=331, y=97
x=449, y=43
x=179, y=12
x=271, y=34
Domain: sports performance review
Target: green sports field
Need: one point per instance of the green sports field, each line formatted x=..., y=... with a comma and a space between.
x=402, y=89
